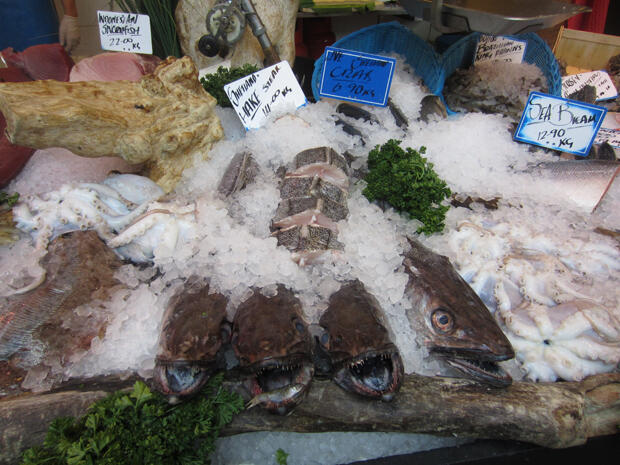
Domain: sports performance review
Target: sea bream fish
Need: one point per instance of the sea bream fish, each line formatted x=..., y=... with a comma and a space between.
x=273, y=345
x=313, y=197
x=452, y=320
x=193, y=332
x=364, y=359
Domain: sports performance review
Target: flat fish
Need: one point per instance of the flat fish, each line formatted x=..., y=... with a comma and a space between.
x=79, y=267
x=454, y=323
x=583, y=182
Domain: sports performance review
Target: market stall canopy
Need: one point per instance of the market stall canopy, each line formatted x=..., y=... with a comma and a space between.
x=490, y=16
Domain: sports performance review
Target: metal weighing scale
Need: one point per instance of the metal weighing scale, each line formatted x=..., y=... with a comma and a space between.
x=492, y=16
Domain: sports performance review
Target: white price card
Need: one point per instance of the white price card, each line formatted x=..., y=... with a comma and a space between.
x=500, y=48
x=610, y=130
x=605, y=88
x=125, y=32
x=559, y=124
x=265, y=94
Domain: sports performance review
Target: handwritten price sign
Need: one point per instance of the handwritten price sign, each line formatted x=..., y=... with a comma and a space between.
x=560, y=124
x=500, y=48
x=605, y=88
x=125, y=32
x=356, y=76
x=263, y=95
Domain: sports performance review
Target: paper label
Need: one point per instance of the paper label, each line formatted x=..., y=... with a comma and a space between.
x=265, y=94
x=605, y=88
x=610, y=130
x=356, y=76
x=559, y=124
x=500, y=48
x=125, y=32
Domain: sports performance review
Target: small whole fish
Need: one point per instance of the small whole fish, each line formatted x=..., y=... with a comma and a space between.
x=192, y=334
x=364, y=359
x=454, y=323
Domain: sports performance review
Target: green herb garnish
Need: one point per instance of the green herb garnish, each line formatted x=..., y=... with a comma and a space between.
x=406, y=181
x=140, y=428
x=9, y=199
x=281, y=457
x=214, y=83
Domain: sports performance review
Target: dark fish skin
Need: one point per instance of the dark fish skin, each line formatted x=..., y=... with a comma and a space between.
x=192, y=334
x=241, y=171
x=79, y=268
x=454, y=322
x=364, y=359
x=356, y=112
x=273, y=345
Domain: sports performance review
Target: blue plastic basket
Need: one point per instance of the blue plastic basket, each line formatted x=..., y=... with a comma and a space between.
x=461, y=55
x=390, y=37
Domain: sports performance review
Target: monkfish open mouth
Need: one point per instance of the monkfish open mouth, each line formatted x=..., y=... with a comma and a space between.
x=180, y=378
x=372, y=374
x=279, y=387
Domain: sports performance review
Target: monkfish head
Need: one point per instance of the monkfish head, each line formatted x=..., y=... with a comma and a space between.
x=364, y=359
x=193, y=331
x=273, y=345
x=454, y=322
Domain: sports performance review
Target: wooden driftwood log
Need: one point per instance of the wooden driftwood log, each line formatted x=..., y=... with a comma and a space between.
x=161, y=120
x=554, y=415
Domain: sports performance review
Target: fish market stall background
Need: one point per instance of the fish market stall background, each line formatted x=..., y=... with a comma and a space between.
x=535, y=248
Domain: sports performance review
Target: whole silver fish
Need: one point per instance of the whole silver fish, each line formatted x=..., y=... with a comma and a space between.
x=584, y=182
x=452, y=320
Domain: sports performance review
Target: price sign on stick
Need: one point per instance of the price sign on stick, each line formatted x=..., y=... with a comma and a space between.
x=500, y=48
x=265, y=94
x=560, y=124
x=605, y=88
x=356, y=76
x=125, y=32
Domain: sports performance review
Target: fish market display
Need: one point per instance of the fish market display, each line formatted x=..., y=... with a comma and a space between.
x=272, y=342
x=314, y=197
x=123, y=210
x=555, y=297
x=493, y=87
x=161, y=120
x=364, y=359
x=452, y=320
x=190, y=339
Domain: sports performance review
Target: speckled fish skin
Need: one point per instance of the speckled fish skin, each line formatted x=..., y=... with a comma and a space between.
x=241, y=170
x=455, y=323
x=313, y=199
x=78, y=267
x=273, y=345
x=190, y=339
x=365, y=360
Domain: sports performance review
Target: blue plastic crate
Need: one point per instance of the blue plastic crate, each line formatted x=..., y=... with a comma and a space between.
x=461, y=55
x=387, y=38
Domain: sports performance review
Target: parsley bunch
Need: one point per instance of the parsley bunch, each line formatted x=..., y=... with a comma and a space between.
x=140, y=427
x=9, y=199
x=214, y=83
x=406, y=181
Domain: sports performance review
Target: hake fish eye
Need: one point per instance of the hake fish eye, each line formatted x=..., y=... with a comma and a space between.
x=442, y=320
